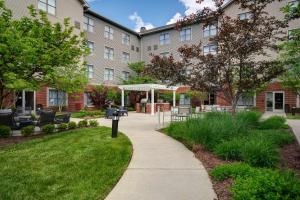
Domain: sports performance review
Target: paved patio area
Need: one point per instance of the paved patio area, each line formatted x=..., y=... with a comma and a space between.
x=161, y=168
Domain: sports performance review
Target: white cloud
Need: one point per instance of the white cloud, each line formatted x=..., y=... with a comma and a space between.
x=175, y=18
x=139, y=22
x=191, y=6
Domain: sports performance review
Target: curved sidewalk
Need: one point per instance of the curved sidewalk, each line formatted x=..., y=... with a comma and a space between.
x=161, y=168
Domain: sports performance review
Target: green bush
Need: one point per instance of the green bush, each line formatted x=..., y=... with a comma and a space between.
x=48, y=129
x=275, y=122
x=5, y=131
x=83, y=123
x=62, y=127
x=256, y=183
x=85, y=113
x=27, y=131
x=260, y=153
x=72, y=125
x=94, y=123
x=250, y=118
x=230, y=150
x=278, y=138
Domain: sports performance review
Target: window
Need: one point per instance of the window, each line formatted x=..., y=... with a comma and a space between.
x=109, y=53
x=87, y=99
x=155, y=47
x=90, y=71
x=164, y=38
x=164, y=54
x=184, y=99
x=57, y=98
x=185, y=34
x=125, y=39
x=90, y=45
x=108, y=74
x=125, y=75
x=125, y=57
x=88, y=24
x=210, y=30
x=244, y=16
x=132, y=47
x=109, y=32
x=210, y=49
x=149, y=48
x=137, y=49
x=49, y=6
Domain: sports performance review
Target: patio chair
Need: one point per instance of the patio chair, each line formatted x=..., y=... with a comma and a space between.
x=109, y=113
x=174, y=113
x=63, y=118
x=7, y=119
x=123, y=111
x=3, y=111
x=46, y=117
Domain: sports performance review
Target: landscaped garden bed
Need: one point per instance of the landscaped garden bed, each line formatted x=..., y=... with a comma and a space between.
x=77, y=164
x=84, y=114
x=245, y=156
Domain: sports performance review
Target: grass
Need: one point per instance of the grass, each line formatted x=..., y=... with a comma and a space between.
x=88, y=114
x=290, y=116
x=77, y=164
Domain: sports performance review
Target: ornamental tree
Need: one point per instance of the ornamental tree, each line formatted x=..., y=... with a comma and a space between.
x=241, y=63
x=138, y=78
x=290, y=52
x=33, y=52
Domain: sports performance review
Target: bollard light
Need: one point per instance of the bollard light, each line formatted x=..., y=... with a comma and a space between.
x=115, y=123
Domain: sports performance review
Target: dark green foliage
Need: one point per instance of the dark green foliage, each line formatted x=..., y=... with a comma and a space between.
x=85, y=113
x=5, y=131
x=27, y=131
x=83, y=124
x=72, y=125
x=62, y=127
x=250, y=118
x=93, y=123
x=275, y=122
x=48, y=129
x=230, y=150
x=255, y=183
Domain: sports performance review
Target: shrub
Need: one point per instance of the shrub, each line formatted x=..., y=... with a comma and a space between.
x=260, y=153
x=277, y=137
x=48, y=129
x=5, y=131
x=275, y=122
x=255, y=183
x=27, y=131
x=85, y=113
x=250, y=118
x=93, y=123
x=230, y=150
x=72, y=125
x=83, y=123
x=63, y=127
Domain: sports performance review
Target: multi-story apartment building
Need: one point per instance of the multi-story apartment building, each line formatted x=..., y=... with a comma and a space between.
x=113, y=46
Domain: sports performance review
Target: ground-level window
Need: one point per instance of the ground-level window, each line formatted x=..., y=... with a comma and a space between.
x=108, y=74
x=210, y=99
x=57, y=97
x=90, y=71
x=184, y=99
x=87, y=99
x=125, y=75
x=246, y=100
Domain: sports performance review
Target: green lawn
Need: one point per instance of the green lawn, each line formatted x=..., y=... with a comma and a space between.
x=88, y=114
x=78, y=164
x=290, y=116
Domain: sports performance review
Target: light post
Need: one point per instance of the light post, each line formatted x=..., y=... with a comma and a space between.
x=115, y=123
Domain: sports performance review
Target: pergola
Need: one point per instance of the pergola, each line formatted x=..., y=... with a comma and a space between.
x=146, y=88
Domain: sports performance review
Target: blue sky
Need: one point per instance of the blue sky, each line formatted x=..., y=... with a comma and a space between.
x=148, y=13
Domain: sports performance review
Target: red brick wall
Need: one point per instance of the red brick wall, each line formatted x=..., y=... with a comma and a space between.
x=290, y=97
x=41, y=97
x=220, y=100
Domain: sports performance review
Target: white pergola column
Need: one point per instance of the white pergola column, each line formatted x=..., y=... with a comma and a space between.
x=152, y=101
x=123, y=96
x=174, y=98
x=147, y=95
x=297, y=101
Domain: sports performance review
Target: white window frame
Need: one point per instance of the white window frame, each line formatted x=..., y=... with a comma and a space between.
x=246, y=16
x=108, y=32
x=210, y=49
x=125, y=57
x=125, y=75
x=89, y=24
x=90, y=71
x=110, y=75
x=108, y=53
x=48, y=98
x=210, y=30
x=87, y=100
x=184, y=36
x=47, y=6
x=91, y=46
x=164, y=38
x=126, y=39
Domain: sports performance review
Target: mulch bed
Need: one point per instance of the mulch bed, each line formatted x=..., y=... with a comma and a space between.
x=17, y=139
x=290, y=157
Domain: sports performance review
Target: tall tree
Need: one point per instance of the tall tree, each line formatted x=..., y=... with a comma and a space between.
x=290, y=51
x=241, y=62
x=34, y=51
x=138, y=77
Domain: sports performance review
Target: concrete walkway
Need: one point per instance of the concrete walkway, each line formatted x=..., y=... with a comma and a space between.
x=161, y=168
x=295, y=125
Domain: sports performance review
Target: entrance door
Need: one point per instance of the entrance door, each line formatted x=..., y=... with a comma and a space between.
x=25, y=100
x=275, y=101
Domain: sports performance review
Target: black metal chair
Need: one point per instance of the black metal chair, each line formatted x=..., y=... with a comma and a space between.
x=7, y=119
x=63, y=118
x=109, y=113
x=46, y=117
x=123, y=111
